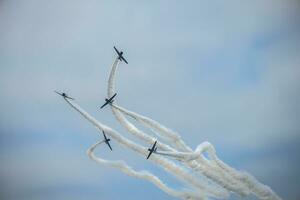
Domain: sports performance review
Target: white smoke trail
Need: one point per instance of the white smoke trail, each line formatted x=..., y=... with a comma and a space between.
x=155, y=127
x=262, y=191
x=124, y=122
x=218, y=180
x=215, y=175
x=258, y=189
x=177, y=171
x=150, y=140
x=121, y=165
x=206, y=168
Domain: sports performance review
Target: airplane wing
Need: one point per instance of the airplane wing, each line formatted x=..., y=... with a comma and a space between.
x=104, y=104
x=61, y=94
x=113, y=96
x=111, y=99
x=124, y=60
x=108, y=101
x=154, y=145
x=109, y=145
x=116, y=50
x=153, y=149
x=58, y=93
x=149, y=154
x=104, y=135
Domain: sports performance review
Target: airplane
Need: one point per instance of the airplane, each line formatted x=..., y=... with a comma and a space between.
x=64, y=95
x=120, y=54
x=106, y=140
x=153, y=149
x=108, y=101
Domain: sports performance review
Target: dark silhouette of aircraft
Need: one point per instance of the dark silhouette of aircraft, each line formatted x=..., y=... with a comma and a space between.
x=109, y=101
x=106, y=140
x=153, y=149
x=120, y=54
x=64, y=95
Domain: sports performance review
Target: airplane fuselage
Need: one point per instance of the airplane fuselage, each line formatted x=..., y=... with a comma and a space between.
x=152, y=150
x=109, y=101
x=106, y=140
x=120, y=55
x=64, y=95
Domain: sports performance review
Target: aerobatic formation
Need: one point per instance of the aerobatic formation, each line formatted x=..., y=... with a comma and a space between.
x=204, y=177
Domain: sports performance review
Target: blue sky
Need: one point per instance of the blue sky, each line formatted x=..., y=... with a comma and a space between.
x=226, y=72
